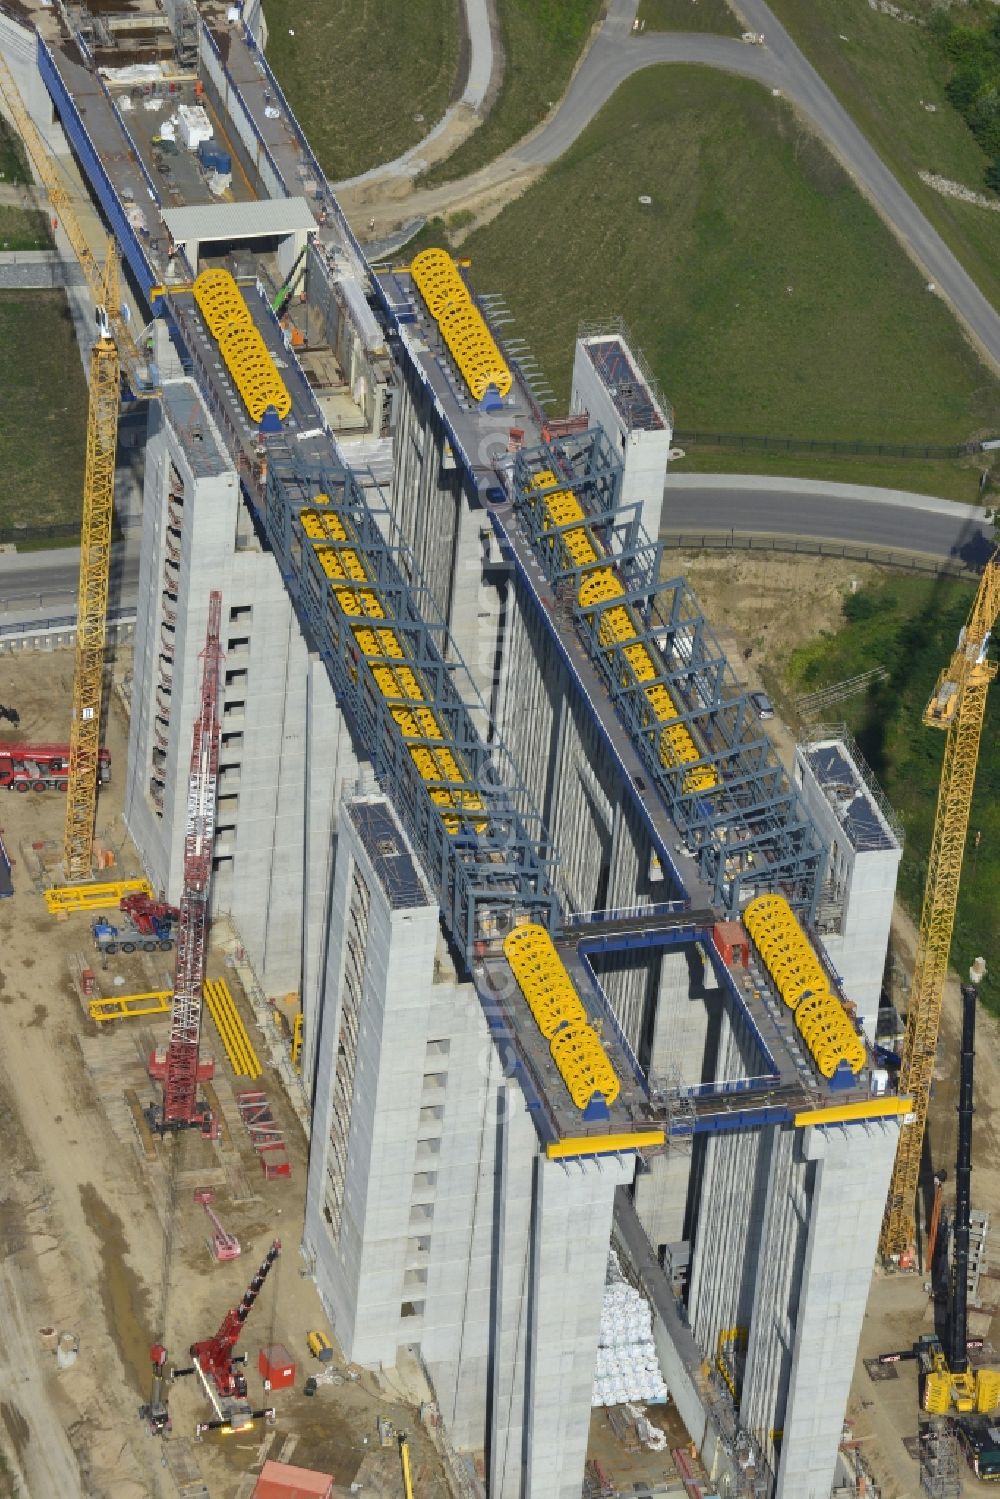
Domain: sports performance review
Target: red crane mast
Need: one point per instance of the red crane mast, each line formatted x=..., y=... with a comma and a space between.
x=180, y=1070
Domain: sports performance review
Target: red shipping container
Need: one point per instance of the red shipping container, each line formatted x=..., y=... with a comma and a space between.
x=731, y=943
x=281, y=1481
x=277, y=1366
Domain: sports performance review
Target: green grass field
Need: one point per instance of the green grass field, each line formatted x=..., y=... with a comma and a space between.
x=23, y=229
x=764, y=291
x=910, y=626
x=542, y=41
x=688, y=15
x=357, y=72
x=13, y=167
x=884, y=74
x=43, y=411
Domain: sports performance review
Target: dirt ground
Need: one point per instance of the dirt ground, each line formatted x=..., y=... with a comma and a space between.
x=98, y=1241
x=758, y=602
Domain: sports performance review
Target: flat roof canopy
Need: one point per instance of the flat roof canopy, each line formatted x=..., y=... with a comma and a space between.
x=266, y=218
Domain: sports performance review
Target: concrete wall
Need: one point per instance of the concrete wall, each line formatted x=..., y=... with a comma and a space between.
x=259, y=851
x=861, y=884
x=644, y=454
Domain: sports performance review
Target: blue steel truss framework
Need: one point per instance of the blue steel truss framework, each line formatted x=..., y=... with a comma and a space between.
x=749, y=832
x=495, y=865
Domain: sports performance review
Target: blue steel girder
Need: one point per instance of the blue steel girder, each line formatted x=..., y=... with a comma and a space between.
x=497, y=858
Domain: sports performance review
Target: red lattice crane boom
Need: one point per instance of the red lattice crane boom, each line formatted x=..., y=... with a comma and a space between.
x=180, y=1070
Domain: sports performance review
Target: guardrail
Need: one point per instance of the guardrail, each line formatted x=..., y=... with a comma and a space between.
x=749, y=441
x=818, y=546
x=58, y=630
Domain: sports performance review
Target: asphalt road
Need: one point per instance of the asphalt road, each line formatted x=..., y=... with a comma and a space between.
x=848, y=513
x=39, y=584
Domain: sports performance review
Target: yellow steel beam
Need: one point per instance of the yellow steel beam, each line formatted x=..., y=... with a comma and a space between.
x=958, y=705
x=574, y=1145
x=232, y=1032
x=130, y=1006
x=846, y=1113
x=94, y=897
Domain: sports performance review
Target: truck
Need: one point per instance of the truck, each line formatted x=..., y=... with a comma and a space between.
x=42, y=767
x=128, y=935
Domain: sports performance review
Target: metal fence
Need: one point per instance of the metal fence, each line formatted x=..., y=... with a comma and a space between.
x=816, y=546
x=752, y=442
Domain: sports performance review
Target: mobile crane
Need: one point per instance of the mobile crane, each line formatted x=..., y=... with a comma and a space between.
x=218, y=1367
x=114, y=352
x=958, y=705
x=179, y=1069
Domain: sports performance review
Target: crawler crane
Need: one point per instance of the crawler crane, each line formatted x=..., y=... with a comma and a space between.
x=958, y=705
x=114, y=352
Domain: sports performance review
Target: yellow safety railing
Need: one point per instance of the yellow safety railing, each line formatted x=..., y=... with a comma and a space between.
x=618, y=627
x=232, y=1032
x=380, y=644
x=469, y=340
x=801, y=980
x=130, y=1006
x=245, y=353
x=94, y=897
x=576, y=1048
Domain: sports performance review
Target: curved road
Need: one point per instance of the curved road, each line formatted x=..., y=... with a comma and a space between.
x=616, y=54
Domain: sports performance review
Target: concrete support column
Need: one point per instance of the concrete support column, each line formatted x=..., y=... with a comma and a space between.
x=574, y=1203
x=851, y=1171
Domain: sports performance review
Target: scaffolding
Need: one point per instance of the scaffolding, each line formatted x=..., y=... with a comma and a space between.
x=742, y=819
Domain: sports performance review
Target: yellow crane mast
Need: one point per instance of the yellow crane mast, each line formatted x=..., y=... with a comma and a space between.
x=958, y=705
x=115, y=349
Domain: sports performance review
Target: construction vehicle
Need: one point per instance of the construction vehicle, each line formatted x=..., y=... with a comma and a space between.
x=948, y=1386
x=224, y=1245
x=114, y=351
x=146, y=914
x=154, y=1412
x=179, y=1069
x=220, y=1368
x=958, y=706
x=948, y=1383
x=43, y=767
x=319, y=1345
x=287, y=288
x=126, y=936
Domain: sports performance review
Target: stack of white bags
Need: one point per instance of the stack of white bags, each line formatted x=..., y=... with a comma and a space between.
x=627, y=1368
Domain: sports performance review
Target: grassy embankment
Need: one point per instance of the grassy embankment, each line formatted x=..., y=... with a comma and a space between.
x=766, y=294
x=910, y=626
x=358, y=72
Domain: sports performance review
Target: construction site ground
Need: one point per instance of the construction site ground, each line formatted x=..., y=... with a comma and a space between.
x=99, y=1241
x=758, y=603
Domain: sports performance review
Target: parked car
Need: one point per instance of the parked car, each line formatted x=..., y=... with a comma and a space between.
x=761, y=705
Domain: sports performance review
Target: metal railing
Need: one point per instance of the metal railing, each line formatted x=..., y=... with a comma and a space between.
x=834, y=447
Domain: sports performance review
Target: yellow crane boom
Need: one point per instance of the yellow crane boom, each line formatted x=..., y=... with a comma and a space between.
x=957, y=705
x=115, y=349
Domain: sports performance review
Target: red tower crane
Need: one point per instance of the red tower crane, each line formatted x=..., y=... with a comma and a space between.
x=179, y=1069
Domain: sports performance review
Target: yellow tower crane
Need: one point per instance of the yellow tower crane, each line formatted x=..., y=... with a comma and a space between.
x=958, y=705
x=114, y=351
